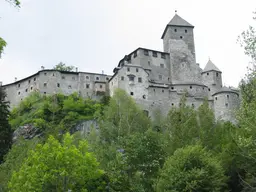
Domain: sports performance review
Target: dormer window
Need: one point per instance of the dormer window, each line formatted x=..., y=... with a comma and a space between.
x=162, y=55
x=146, y=52
x=135, y=54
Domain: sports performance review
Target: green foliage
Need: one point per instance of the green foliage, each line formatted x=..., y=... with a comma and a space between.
x=14, y=159
x=191, y=169
x=5, y=128
x=2, y=45
x=57, y=166
x=14, y=2
x=63, y=67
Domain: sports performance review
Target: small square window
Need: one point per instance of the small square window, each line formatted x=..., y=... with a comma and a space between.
x=162, y=65
x=18, y=93
x=34, y=79
x=45, y=84
x=107, y=78
x=31, y=88
x=45, y=93
x=131, y=93
x=135, y=54
x=18, y=85
x=154, y=54
x=63, y=77
x=175, y=30
x=207, y=73
x=148, y=62
x=69, y=87
x=101, y=86
x=160, y=77
x=186, y=30
x=58, y=85
x=146, y=52
x=172, y=87
x=97, y=78
x=45, y=74
x=190, y=87
x=216, y=98
x=137, y=69
x=163, y=56
x=162, y=91
x=226, y=104
x=181, y=37
x=26, y=90
x=128, y=69
x=53, y=74
x=209, y=89
x=140, y=80
x=122, y=78
x=87, y=77
x=87, y=86
x=73, y=78
x=217, y=74
x=28, y=81
x=228, y=96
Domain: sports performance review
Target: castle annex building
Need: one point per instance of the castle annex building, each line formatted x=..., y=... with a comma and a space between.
x=155, y=79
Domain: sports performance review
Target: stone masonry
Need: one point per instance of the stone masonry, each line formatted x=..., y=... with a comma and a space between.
x=155, y=79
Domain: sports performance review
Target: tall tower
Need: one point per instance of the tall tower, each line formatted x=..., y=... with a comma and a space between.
x=212, y=77
x=179, y=29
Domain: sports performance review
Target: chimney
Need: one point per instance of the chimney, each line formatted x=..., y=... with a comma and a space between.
x=76, y=69
x=102, y=72
x=1, y=83
x=15, y=79
x=42, y=67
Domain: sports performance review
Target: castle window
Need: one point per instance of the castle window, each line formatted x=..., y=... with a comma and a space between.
x=175, y=30
x=131, y=93
x=45, y=84
x=58, y=85
x=160, y=77
x=172, y=104
x=128, y=69
x=63, y=77
x=193, y=105
x=31, y=88
x=69, y=87
x=45, y=93
x=53, y=74
x=228, y=96
x=45, y=74
x=181, y=37
x=154, y=90
x=140, y=80
x=131, y=78
x=18, y=85
x=135, y=54
x=162, y=55
x=226, y=104
x=137, y=69
x=28, y=81
x=207, y=73
x=101, y=86
x=217, y=74
x=148, y=62
x=87, y=77
x=26, y=90
x=172, y=87
x=73, y=78
x=107, y=78
x=97, y=78
x=144, y=96
x=34, y=79
x=122, y=78
x=168, y=78
x=162, y=65
x=88, y=86
x=190, y=87
x=186, y=30
x=146, y=52
x=18, y=93
x=154, y=54
x=216, y=98
x=162, y=91
x=209, y=89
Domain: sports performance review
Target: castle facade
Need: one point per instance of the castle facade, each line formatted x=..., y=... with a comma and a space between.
x=155, y=79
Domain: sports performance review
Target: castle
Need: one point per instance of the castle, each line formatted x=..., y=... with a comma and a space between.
x=155, y=79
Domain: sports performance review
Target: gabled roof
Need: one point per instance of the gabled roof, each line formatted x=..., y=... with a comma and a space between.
x=210, y=67
x=177, y=21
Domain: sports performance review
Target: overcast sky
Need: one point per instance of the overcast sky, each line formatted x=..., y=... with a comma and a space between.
x=94, y=35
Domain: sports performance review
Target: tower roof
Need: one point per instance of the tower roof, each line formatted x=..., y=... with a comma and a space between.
x=210, y=67
x=177, y=21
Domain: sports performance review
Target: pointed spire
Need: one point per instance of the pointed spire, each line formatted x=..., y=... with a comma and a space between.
x=210, y=67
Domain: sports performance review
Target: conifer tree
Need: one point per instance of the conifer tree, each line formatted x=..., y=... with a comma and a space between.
x=5, y=128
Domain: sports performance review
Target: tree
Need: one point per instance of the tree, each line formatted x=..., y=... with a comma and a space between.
x=5, y=128
x=191, y=169
x=63, y=67
x=57, y=166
